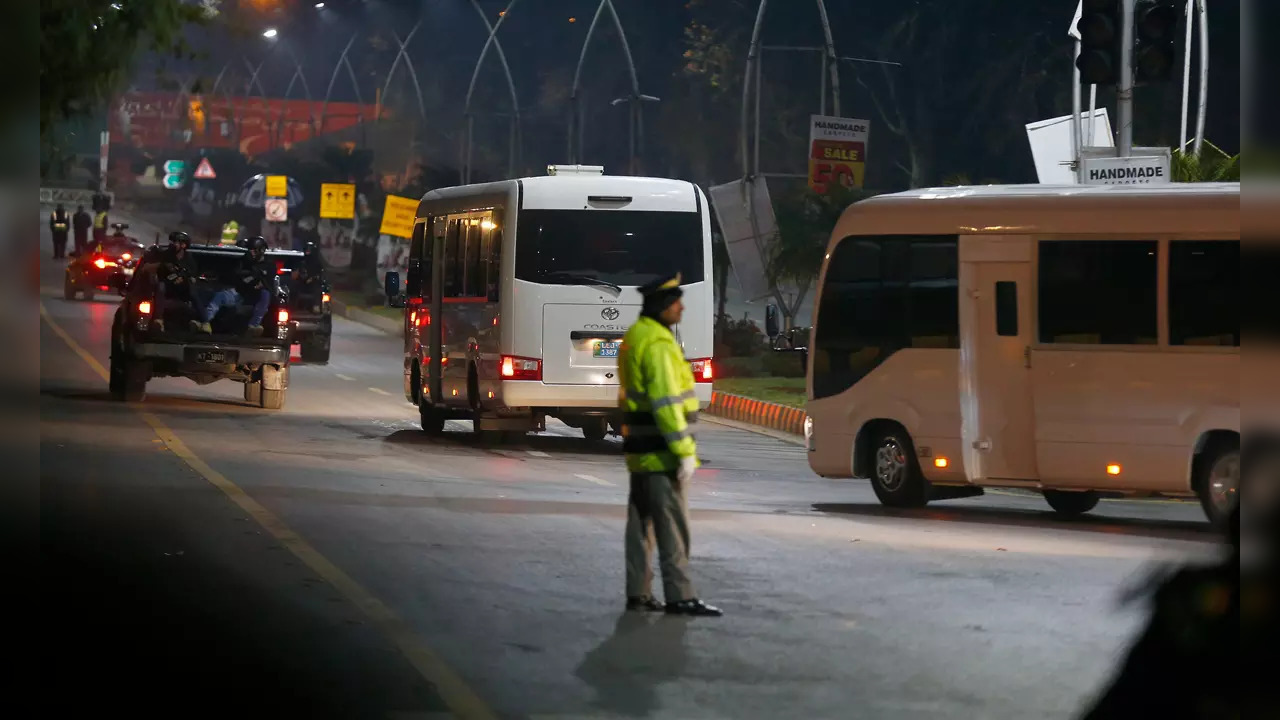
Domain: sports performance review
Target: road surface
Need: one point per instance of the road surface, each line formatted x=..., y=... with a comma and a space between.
x=329, y=560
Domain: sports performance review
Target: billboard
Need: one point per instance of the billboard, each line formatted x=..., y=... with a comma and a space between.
x=250, y=125
x=837, y=151
x=1051, y=145
x=746, y=237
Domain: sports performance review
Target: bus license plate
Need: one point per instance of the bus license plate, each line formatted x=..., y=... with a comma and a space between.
x=606, y=349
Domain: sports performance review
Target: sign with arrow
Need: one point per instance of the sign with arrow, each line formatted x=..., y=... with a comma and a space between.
x=337, y=201
x=173, y=172
x=204, y=171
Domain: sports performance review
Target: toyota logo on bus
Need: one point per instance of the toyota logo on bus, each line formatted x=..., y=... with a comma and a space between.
x=610, y=313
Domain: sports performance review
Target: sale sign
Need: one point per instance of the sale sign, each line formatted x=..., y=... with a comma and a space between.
x=837, y=151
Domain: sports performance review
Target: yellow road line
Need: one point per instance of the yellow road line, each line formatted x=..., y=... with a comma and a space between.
x=459, y=698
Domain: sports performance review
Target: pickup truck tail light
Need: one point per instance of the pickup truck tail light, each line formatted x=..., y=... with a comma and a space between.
x=521, y=368
x=702, y=370
x=144, y=307
x=282, y=316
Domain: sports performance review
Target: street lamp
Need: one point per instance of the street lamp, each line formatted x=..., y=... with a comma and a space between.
x=319, y=5
x=269, y=33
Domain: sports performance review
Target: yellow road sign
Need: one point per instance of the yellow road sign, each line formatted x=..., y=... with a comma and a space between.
x=338, y=201
x=397, y=217
x=277, y=186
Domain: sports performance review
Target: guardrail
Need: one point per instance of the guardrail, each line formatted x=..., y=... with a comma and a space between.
x=71, y=196
x=757, y=412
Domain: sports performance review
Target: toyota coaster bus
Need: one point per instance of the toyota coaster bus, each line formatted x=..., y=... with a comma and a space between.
x=1080, y=341
x=518, y=293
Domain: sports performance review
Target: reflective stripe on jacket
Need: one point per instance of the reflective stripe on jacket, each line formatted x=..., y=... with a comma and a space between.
x=656, y=396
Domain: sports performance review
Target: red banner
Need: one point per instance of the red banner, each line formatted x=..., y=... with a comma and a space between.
x=167, y=121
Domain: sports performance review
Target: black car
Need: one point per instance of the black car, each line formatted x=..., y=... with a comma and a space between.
x=103, y=267
x=142, y=348
x=312, y=316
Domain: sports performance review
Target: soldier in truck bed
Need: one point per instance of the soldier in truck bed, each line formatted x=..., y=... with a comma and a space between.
x=176, y=275
x=253, y=282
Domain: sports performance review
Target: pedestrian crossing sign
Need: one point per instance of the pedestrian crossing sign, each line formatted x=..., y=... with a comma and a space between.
x=204, y=171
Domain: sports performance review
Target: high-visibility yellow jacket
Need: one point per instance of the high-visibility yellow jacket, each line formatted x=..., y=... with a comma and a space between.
x=230, y=232
x=655, y=394
x=100, y=221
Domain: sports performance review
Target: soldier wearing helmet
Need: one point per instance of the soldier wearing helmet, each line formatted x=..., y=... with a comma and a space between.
x=176, y=275
x=253, y=285
x=308, y=280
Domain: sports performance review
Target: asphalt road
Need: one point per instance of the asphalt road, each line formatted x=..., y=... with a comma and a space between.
x=202, y=557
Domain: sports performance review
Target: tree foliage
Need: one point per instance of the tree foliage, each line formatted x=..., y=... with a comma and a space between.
x=88, y=48
x=805, y=220
x=1211, y=165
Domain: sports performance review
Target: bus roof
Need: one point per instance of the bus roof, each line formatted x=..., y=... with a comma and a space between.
x=1048, y=209
x=569, y=192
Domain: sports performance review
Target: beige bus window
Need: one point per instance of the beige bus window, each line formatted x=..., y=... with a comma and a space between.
x=1098, y=292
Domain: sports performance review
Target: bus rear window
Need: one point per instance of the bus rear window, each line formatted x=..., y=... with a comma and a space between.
x=623, y=247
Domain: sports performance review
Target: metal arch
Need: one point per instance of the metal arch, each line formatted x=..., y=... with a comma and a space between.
x=404, y=54
x=574, y=120
x=751, y=161
x=492, y=41
x=343, y=59
x=298, y=74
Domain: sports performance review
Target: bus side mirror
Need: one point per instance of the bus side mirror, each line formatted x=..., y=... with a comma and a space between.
x=771, y=328
x=391, y=285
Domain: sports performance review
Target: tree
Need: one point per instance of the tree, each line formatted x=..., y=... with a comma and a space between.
x=1211, y=165
x=805, y=220
x=88, y=49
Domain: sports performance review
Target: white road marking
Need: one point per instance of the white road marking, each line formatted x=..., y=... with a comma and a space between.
x=348, y=378
x=593, y=479
x=380, y=391
x=537, y=453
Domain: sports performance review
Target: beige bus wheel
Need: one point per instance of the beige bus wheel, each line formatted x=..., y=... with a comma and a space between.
x=895, y=473
x=1067, y=502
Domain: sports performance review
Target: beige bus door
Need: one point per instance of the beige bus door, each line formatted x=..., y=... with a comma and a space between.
x=996, y=407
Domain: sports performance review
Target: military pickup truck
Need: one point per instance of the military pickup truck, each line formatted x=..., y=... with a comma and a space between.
x=142, y=349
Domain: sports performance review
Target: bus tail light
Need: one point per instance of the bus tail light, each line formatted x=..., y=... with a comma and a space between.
x=519, y=368
x=702, y=370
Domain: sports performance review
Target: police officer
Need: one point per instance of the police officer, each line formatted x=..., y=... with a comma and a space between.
x=80, y=224
x=230, y=232
x=59, y=226
x=100, y=227
x=659, y=406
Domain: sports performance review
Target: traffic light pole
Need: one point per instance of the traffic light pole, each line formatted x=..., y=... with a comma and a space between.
x=1124, y=91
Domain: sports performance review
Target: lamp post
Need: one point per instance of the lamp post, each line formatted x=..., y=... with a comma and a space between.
x=635, y=132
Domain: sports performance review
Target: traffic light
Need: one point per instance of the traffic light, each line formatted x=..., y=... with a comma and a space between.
x=1100, y=27
x=1155, y=25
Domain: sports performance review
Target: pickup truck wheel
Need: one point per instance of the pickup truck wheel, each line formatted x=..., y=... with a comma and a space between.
x=68, y=288
x=315, y=350
x=136, y=375
x=88, y=294
x=272, y=399
x=116, y=375
x=253, y=393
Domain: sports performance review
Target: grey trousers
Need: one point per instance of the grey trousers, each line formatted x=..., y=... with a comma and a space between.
x=657, y=508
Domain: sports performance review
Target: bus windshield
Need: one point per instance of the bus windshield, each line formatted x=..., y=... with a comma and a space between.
x=607, y=247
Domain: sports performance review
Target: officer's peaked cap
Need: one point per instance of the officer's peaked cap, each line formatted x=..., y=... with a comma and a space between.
x=661, y=285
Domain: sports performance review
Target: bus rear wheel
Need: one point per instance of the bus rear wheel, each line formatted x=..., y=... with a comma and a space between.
x=431, y=420
x=895, y=472
x=1068, y=502
x=1218, y=484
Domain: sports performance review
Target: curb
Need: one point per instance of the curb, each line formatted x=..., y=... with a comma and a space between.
x=757, y=412
x=377, y=322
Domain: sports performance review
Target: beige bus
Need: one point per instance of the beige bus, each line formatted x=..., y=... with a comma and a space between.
x=1080, y=341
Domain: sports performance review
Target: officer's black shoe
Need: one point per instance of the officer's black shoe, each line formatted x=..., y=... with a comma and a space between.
x=644, y=604
x=694, y=607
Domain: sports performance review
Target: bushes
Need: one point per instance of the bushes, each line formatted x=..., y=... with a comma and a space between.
x=738, y=338
x=784, y=364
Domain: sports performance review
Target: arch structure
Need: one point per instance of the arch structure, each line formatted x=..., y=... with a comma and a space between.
x=514, y=130
x=749, y=133
x=575, y=134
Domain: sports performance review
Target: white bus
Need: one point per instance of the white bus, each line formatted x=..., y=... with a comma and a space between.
x=518, y=294
x=1080, y=341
